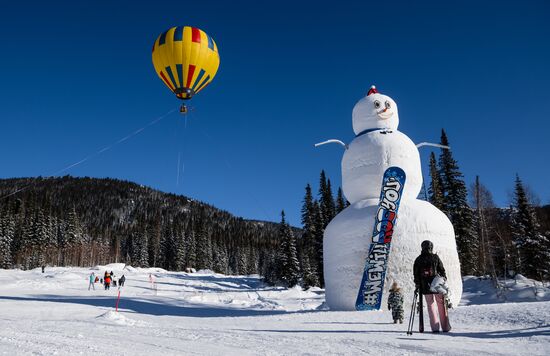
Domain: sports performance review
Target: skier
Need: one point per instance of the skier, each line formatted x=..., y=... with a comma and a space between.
x=121, y=281
x=395, y=303
x=92, y=281
x=107, y=280
x=427, y=266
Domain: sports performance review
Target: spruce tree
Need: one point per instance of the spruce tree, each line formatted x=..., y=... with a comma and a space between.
x=287, y=255
x=326, y=200
x=309, y=277
x=191, y=247
x=73, y=233
x=220, y=259
x=319, y=235
x=251, y=261
x=180, y=241
x=435, y=192
x=140, y=252
x=6, y=238
x=455, y=205
x=241, y=261
x=167, y=248
x=203, y=248
x=309, y=228
x=154, y=233
x=532, y=245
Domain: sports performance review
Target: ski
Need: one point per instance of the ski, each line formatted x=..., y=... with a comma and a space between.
x=371, y=289
x=420, y=313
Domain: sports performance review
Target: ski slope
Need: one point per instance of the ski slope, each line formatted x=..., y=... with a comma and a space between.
x=205, y=313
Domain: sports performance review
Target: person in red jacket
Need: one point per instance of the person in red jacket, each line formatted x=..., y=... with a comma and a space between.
x=107, y=280
x=426, y=267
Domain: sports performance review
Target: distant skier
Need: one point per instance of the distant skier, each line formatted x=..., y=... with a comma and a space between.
x=427, y=267
x=121, y=281
x=395, y=303
x=107, y=280
x=92, y=281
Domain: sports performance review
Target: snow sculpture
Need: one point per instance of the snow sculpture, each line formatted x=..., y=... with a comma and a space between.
x=377, y=146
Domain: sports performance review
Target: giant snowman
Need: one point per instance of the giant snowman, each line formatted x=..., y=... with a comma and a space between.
x=379, y=145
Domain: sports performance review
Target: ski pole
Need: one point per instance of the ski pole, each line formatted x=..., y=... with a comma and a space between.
x=411, y=317
x=413, y=313
x=421, y=314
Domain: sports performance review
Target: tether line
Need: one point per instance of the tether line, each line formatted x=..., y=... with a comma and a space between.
x=97, y=153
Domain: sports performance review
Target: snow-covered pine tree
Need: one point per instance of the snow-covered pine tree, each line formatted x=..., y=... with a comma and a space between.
x=155, y=234
x=73, y=239
x=269, y=268
x=51, y=245
x=203, y=248
x=456, y=207
x=180, y=242
x=6, y=238
x=251, y=261
x=435, y=193
x=26, y=240
x=241, y=260
x=309, y=277
x=220, y=260
x=309, y=234
x=288, y=255
x=319, y=235
x=326, y=199
x=40, y=239
x=191, y=249
x=167, y=253
x=533, y=252
x=140, y=248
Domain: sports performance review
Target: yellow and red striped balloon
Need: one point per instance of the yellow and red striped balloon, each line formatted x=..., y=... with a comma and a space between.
x=186, y=59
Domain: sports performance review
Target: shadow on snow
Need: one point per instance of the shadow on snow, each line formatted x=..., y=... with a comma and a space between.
x=143, y=306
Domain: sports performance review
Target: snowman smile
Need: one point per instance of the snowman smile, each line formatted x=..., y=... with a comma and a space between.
x=385, y=114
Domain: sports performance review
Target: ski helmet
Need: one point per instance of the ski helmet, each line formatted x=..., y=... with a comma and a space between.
x=427, y=245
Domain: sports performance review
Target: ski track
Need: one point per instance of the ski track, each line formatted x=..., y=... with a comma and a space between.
x=212, y=314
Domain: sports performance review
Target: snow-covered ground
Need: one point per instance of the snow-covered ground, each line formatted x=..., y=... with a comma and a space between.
x=205, y=313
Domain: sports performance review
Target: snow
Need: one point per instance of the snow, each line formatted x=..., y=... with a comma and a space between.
x=207, y=313
x=518, y=289
x=347, y=240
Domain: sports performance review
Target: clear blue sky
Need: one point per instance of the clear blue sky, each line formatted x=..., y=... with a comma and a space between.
x=77, y=76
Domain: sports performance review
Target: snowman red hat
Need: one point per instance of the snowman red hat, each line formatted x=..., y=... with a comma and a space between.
x=372, y=90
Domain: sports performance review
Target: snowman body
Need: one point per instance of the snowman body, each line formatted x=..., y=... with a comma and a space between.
x=347, y=238
x=367, y=158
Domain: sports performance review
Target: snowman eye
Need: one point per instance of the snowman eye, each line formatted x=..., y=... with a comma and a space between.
x=388, y=105
x=376, y=104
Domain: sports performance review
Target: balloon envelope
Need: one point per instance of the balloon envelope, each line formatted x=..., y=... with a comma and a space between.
x=186, y=59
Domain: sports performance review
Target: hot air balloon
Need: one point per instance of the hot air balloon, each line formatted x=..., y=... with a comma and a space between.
x=186, y=59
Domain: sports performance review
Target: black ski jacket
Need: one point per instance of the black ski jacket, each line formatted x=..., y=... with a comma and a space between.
x=426, y=267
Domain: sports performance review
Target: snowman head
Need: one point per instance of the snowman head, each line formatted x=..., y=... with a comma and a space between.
x=375, y=111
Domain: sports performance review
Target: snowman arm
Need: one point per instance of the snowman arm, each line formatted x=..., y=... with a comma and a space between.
x=432, y=144
x=331, y=141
